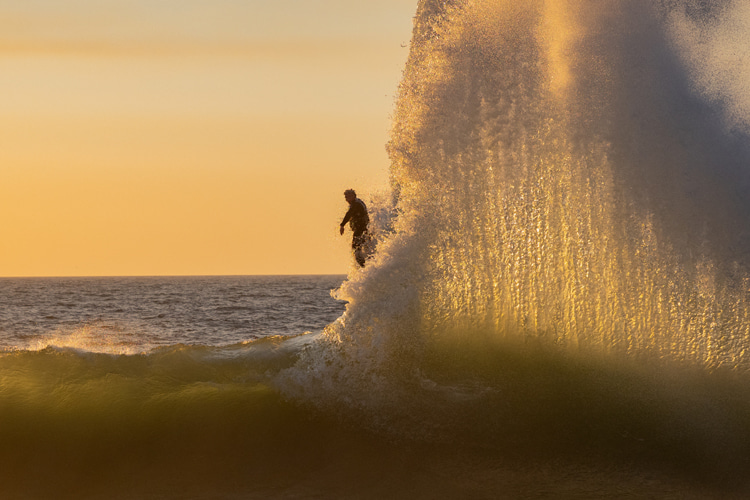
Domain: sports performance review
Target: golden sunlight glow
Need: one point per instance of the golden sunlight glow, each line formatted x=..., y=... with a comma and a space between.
x=188, y=137
x=558, y=32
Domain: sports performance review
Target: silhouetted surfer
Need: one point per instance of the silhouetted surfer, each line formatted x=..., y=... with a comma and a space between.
x=358, y=220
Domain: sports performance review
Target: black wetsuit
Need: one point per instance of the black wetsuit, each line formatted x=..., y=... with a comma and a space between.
x=358, y=220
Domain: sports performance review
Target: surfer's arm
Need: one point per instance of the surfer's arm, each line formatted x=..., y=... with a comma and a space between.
x=346, y=219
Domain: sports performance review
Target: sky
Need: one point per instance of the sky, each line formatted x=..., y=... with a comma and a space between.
x=191, y=137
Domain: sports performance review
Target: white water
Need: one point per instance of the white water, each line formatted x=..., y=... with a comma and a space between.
x=569, y=173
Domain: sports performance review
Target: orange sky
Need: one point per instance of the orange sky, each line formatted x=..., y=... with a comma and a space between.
x=186, y=137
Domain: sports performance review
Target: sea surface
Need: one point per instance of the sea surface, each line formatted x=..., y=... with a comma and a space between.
x=242, y=387
x=129, y=315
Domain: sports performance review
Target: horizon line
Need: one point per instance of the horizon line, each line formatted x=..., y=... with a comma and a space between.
x=172, y=275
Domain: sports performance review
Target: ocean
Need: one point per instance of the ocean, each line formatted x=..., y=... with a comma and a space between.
x=557, y=305
x=134, y=315
x=218, y=387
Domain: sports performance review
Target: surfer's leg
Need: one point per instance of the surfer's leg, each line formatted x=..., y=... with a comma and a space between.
x=359, y=251
x=359, y=256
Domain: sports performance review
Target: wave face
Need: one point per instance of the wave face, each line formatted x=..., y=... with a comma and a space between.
x=178, y=422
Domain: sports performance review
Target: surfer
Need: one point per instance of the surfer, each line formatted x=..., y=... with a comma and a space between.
x=358, y=220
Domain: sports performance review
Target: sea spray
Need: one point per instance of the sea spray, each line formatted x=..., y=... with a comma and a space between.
x=566, y=273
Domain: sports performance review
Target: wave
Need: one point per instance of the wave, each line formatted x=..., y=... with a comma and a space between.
x=75, y=423
x=567, y=266
x=474, y=418
x=559, y=177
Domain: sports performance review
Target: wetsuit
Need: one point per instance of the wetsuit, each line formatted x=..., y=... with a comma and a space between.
x=358, y=220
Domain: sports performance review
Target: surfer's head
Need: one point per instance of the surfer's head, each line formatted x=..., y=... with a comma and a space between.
x=350, y=195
